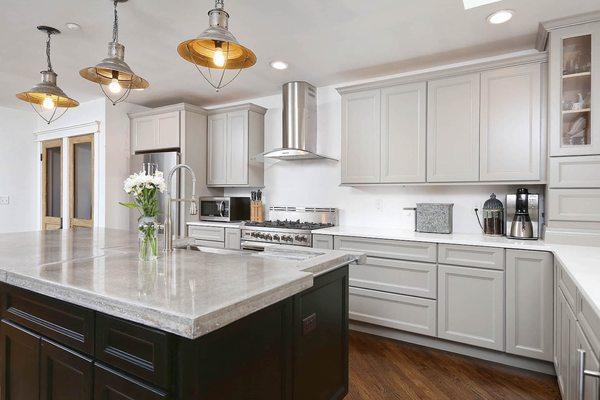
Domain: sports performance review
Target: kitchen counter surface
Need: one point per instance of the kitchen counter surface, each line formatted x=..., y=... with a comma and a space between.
x=189, y=293
x=233, y=225
x=582, y=263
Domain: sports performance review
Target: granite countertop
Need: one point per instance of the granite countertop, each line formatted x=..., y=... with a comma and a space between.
x=233, y=225
x=582, y=263
x=188, y=293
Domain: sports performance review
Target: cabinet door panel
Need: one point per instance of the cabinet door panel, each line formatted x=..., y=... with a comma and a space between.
x=322, y=242
x=217, y=149
x=237, y=148
x=529, y=304
x=64, y=374
x=112, y=385
x=511, y=123
x=361, y=137
x=167, y=129
x=591, y=385
x=403, y=133
x=453, y=129
x=575, y=172
x=574, y=205
x=19, y=369
x=144, y=133
x=471, y=306
x=233, y=238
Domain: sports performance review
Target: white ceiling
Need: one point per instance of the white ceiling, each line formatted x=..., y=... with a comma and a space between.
x=324, y=41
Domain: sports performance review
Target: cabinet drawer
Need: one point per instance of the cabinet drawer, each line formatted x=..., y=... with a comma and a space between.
x=209, y=243
x=65, y=323
x=567, y=285
x=471, y=256
x=402, y=250
x=589, y=322
x=574, y=205
x=207, y=233
x=403, y=277
x=322, y=242
x=406, y=313
x=141, y=351
x=575, y=172
x=109, y=384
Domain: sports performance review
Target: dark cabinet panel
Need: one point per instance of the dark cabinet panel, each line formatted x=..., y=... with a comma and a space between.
x=64, y=374
x=136, y=349
x=20, y=360
x=65, y=323
x=321, y=338
x=112, y=385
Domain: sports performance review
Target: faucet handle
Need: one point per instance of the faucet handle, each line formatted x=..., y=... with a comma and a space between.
x=193, y=207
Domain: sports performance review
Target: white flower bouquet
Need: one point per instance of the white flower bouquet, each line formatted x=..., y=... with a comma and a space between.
x=145, y=188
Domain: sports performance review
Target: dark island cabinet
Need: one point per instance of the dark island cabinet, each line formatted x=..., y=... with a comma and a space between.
x=296, y=349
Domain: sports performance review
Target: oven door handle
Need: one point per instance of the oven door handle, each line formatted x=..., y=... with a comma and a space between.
x=252, y=247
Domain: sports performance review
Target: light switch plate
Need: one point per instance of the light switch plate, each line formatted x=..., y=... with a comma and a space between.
x=4, y=200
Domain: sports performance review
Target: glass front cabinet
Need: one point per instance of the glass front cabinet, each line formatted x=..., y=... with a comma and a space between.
x=575, y=90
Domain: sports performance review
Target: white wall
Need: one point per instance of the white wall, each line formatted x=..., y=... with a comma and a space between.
x=316, y=182
x=18, y=161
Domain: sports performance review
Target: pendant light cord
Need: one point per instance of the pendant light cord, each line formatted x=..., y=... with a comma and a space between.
x=116, y=25
x=48, y=52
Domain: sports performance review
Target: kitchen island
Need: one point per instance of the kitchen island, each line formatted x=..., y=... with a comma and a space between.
x=83, y=318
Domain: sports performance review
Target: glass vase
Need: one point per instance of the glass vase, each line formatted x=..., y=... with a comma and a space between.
x=148, y=238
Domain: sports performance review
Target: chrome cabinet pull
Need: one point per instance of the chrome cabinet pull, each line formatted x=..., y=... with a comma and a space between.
x=582, y=373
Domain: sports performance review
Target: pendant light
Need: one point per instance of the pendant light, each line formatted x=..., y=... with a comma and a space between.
x=113, y=75
x=217, y=50
x=46, y=98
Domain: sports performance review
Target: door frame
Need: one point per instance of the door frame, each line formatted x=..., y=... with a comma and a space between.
x=45, y=220
x=77, y=222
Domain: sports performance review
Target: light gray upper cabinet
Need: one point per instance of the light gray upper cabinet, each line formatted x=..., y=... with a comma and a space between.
x=361, y=137
x=471, y=306
x=156, y=132
x=235, y=135
x=453, y=129
x=529, y=304
x=403, y=133
x=510, y=123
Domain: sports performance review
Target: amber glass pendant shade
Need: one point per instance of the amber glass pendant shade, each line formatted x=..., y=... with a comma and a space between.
x=47, y=99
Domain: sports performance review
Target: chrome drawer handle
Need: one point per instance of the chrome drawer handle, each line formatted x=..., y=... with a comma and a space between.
x=582, y=373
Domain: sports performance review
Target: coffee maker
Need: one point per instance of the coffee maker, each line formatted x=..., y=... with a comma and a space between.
x=523, y=215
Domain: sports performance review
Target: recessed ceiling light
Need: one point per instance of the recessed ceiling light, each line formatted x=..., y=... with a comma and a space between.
x=500, y=17
x=281, y=65
x=72, y=26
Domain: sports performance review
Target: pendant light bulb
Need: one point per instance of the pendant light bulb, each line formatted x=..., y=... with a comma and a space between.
x=219, y=57
x=114, y=86
x=48, y=103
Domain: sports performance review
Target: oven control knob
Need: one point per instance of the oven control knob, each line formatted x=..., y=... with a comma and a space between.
x=269, y=237
x=276, y=238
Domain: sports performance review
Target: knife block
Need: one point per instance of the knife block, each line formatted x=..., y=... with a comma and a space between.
x=257, y=210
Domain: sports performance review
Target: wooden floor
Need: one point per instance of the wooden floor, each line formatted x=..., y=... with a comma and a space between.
x=386, y=369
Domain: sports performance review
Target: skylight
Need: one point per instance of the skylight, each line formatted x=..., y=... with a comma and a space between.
x=477, y=3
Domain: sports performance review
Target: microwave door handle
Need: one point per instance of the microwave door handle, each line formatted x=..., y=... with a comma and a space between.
x=221, y=208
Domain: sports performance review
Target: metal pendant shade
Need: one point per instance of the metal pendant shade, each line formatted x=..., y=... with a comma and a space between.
x=217, y=49
x=113, y=72
x=51, y=100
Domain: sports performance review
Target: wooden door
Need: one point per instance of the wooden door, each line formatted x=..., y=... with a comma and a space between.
x=237, y=148
x=403, y=133
x=217, y=149
x=64, y=374
x=471, y=306
x=453, y=129
x=52, y=166
x=361, y=137
x=19, y=369
x=529, y=304
x=81, y=181
x=511, y=124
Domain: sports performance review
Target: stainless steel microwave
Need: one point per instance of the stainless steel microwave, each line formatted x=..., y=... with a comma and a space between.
x=224, y=209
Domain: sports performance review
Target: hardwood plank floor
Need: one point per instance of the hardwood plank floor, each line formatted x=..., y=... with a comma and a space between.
x=382, y=369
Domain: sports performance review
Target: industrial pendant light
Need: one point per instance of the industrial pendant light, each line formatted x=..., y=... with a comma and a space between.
x=217, y=49
x=112, y=74
x=46, y=98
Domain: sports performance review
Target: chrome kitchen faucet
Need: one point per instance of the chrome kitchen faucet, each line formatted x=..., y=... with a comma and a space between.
x=169, y=200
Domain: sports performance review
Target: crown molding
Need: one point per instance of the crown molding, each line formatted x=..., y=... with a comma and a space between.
x=545, y=28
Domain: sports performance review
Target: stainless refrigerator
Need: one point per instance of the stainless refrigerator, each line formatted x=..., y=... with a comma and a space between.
x=164, y=162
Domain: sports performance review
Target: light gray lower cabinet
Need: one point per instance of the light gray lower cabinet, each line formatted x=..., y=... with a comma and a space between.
x=211, y=233
x=471, y=306
x=529, y=304
x=233, y=238
x=453, y=129
x=384, y=248
x=322, y=242
x=407, y=313
x=566, y=335
x=591, y=387
x=396, y=276
x=471, y=256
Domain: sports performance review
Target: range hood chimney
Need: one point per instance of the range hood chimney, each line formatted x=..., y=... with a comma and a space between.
x=299, y=123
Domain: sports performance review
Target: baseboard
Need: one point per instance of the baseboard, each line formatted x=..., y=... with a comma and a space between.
x=459, y=348
x=576, y=237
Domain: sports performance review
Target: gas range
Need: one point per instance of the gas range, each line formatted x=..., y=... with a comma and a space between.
x=290, y=225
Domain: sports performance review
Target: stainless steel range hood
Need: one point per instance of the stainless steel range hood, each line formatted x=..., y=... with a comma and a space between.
x=299, y=124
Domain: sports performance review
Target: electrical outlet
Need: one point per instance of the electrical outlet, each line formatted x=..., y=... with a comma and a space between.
x=4, y=200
